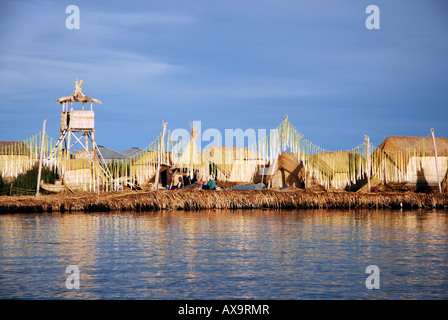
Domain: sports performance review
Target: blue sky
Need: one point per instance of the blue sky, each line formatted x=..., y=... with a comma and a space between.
x=230, y=64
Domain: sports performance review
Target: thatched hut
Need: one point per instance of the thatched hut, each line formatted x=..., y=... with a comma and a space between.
x=286, y=171
x=188, y=162
x=235, y=164
x=411, y=160
x=15, y=159
x=145, y=168
x=336, y=169
x=81, y=174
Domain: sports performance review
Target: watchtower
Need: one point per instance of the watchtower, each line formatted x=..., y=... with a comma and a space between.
x=79, y=122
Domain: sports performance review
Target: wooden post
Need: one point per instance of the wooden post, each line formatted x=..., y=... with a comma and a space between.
x=437, y=164
x=86, y=140
x=67, y=150
x=172, y=179
x=159, y=158
x=368, y=160
x=41, y=158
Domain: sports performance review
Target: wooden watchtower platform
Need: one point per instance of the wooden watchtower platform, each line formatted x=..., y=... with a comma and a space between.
x=79, y=125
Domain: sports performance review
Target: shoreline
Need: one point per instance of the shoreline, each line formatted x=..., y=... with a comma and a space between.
x=220, y=199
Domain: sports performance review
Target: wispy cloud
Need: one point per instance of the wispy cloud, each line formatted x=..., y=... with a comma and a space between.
x=28, y=73
x=132, y=19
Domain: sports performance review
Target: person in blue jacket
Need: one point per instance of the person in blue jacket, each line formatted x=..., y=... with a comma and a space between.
x=179, y=185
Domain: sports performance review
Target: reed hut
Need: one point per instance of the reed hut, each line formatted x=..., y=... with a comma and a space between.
x=233, y=164
x=286, y=171
x=145, y=168
x=15, y=158
x=411, y=160
x=82, y=175
x=336, y=169
x=343, y=170
x=188, y=163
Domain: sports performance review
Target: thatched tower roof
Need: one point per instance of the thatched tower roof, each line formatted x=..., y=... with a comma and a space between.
x=77, y=96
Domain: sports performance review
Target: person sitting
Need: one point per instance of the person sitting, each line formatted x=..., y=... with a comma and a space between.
x=210, y=184
x=179, y=185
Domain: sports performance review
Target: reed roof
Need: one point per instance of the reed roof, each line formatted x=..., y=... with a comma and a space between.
x=78, y=96
x=228, y=155
x=151, y=157
x=336, y=161
x=13, y=148
x=288, y=161
x=330, y=162
x=400, y=143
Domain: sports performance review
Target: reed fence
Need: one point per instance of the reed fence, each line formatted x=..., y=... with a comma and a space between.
x=332, y=169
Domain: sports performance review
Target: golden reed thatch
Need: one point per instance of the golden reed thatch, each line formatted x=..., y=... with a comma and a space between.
x=201, y=199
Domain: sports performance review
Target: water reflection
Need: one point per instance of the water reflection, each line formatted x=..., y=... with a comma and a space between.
x=220, y=254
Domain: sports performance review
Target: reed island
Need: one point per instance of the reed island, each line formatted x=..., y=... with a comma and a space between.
x=281, y=170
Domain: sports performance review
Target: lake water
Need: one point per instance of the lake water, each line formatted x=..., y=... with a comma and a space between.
x=262, y=254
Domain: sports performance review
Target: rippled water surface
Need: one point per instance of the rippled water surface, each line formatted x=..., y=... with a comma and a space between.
x=225, y=255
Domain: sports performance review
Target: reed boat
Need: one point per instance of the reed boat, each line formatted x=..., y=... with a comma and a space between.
x=57, y=187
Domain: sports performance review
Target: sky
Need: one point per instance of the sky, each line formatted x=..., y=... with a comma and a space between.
x=229, y=64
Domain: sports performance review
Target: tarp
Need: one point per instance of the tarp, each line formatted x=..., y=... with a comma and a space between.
x=257, y=186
